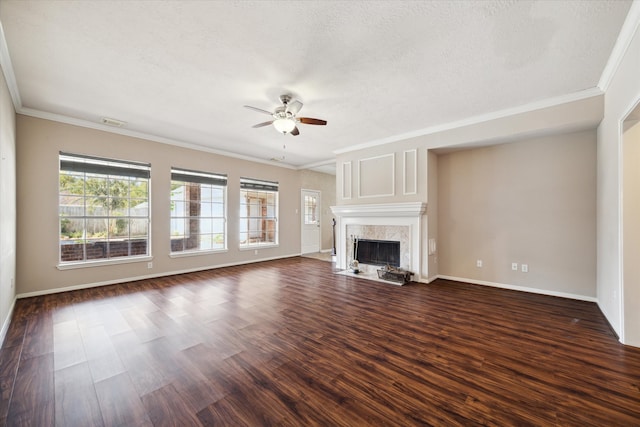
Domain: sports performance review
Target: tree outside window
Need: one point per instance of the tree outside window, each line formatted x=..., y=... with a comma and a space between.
x=103, y=208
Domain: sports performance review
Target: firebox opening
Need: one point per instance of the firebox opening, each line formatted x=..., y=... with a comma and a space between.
x=377, y=252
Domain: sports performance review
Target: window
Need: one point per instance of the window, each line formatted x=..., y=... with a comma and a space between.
x=103, y=208
x=258, y=213
x=198, y=213
x=310, y=210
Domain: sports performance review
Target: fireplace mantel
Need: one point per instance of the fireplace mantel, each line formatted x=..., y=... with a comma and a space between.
x=411, y=215
x=416, y=209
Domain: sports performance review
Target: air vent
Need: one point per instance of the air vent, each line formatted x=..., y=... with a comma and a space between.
x=113, y=122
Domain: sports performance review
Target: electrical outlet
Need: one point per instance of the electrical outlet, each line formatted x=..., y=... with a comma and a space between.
x=479, y=263
x=255, y=252
x=525, y=268
x=514, y=266
x=149, y=265
x=13, y=282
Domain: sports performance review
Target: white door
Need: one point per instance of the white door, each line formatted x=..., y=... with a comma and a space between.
x=310, y=221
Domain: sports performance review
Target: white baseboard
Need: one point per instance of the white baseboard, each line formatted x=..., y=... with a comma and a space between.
x=7, y=322
x=144, y=277
x=428, y=279
x=520, y=288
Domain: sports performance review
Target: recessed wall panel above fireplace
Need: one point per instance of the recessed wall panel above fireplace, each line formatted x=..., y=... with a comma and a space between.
x=376, y=176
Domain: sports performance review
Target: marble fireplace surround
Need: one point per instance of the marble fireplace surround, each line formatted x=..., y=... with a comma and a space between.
x=389, y=221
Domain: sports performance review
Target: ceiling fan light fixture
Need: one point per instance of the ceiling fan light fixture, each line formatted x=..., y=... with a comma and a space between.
x=284, y=125
x=285, y=120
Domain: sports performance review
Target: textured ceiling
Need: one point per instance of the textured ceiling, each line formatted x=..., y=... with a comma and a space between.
x=182, y=70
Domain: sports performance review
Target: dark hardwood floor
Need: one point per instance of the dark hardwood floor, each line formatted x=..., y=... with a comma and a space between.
x=289, y=343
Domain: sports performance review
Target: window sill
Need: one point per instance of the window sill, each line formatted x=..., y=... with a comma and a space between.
x=258, y=246
x=196, y=253
x=100, y=263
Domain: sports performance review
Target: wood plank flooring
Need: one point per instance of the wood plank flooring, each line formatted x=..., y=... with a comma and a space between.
x=290, y=343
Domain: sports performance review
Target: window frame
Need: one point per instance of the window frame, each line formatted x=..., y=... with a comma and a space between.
x=265, y=188
x=216, y=181
x=111, y=171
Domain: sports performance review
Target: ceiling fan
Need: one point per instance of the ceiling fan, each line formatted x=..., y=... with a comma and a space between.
x=284, y=117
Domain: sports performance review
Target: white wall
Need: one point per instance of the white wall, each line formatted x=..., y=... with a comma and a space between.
x=631, y=232
x=621, y=96
x=7, y=206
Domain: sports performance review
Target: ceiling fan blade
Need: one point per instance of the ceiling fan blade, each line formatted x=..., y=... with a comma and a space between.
x=295, y=132
x=294, y=106
x=310, y=121
x=259, y=110
x=259, y=125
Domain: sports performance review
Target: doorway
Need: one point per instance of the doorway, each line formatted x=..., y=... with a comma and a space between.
x=310, y=211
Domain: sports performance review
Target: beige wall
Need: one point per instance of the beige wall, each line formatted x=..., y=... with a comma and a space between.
x=503, y=129
x=511, y=126
x=392, y=173
x=529, y=202
x=497, y=128
x=621, y=96
x=39, y=142
x=326, y=184
x=7, y=206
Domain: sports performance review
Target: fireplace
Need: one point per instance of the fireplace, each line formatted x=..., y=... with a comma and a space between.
x=377, y=252
x=399, y=222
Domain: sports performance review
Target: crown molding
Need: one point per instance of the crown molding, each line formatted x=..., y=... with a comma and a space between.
x=319, y=163
x=146, y=136
x=526, y=108
x=627, y=32
x=325, y=162
x=7, y=68
x=155, y=138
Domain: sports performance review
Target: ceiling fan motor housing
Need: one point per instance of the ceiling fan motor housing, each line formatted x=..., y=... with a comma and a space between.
x=282, y=113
